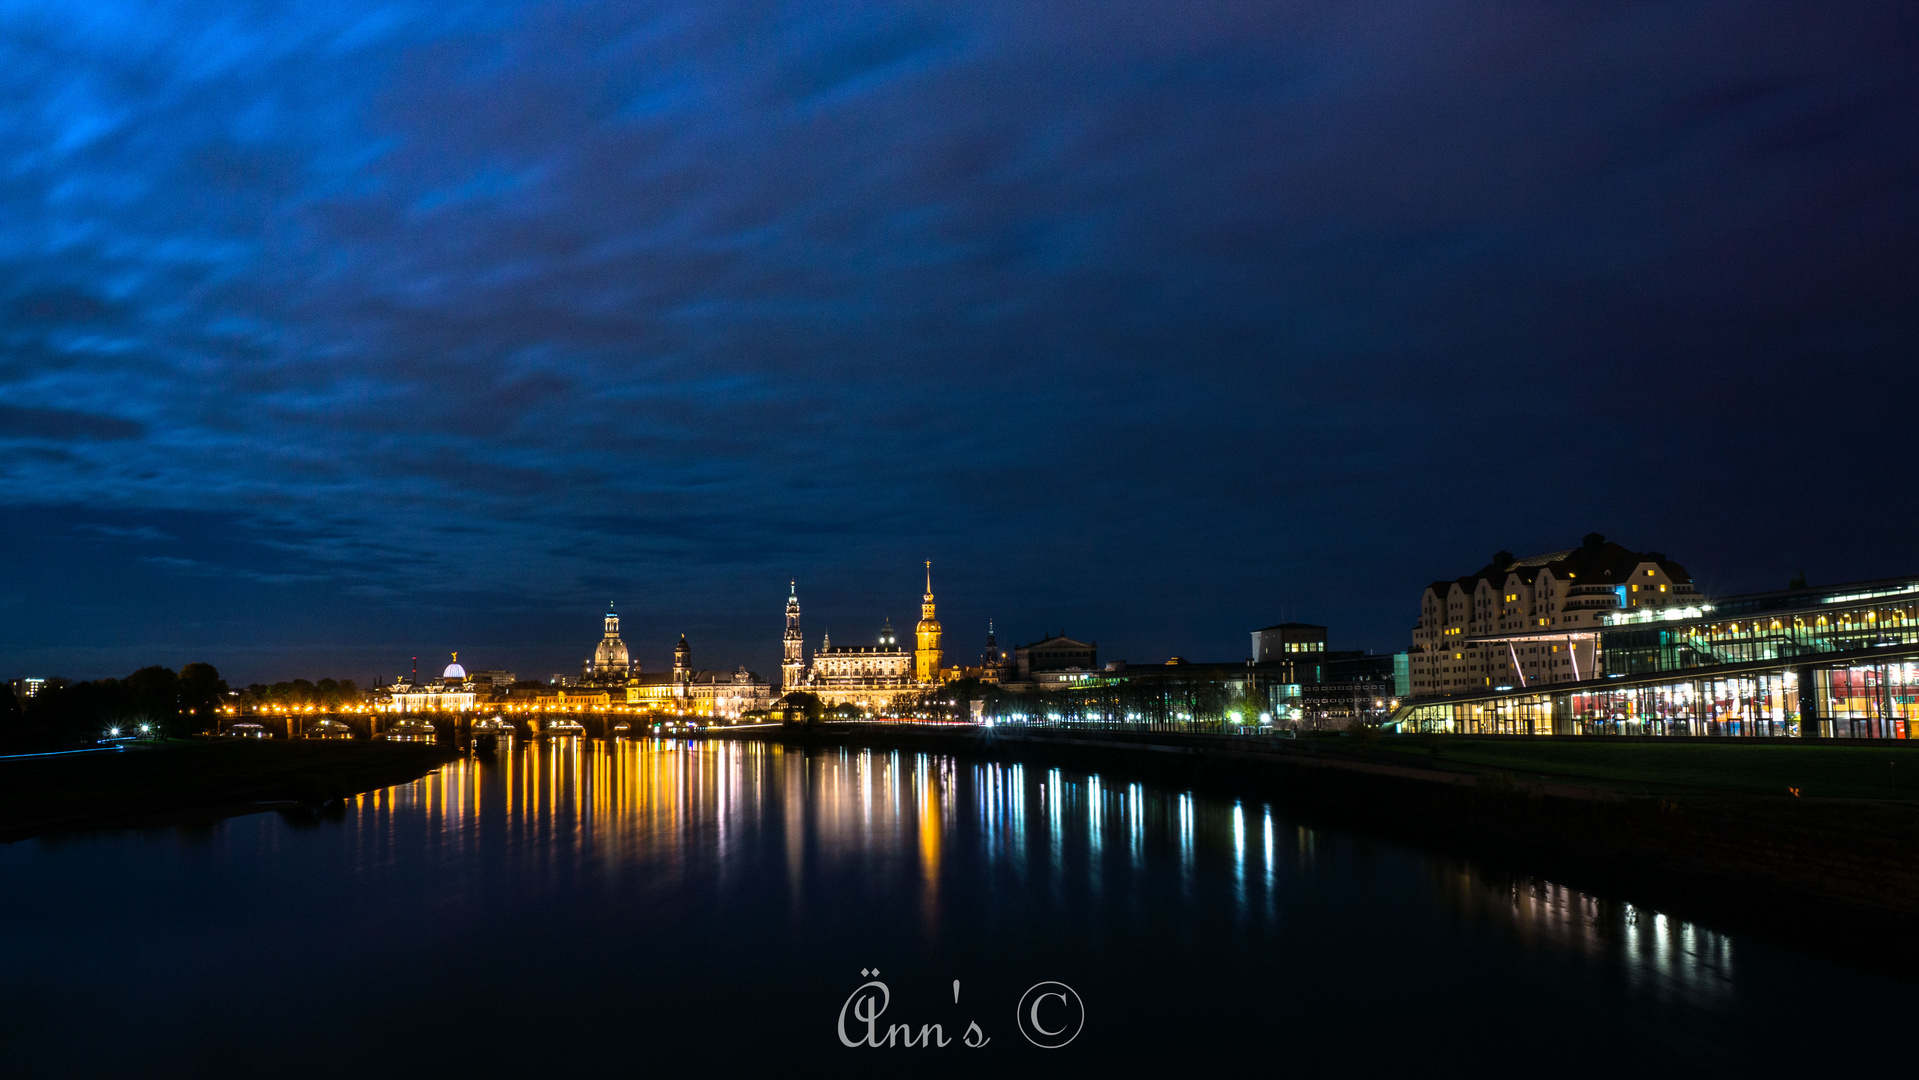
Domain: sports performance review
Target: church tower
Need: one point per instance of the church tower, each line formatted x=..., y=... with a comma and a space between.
x=609, y=662
x=792, y=666
x=926, y=656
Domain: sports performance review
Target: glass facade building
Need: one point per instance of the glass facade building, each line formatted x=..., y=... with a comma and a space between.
x=1839, y=663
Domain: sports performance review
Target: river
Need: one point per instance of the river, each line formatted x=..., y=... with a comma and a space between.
x=645, y=907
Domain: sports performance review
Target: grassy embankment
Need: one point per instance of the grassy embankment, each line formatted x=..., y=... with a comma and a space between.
x=1759, y=767
x=182, y=782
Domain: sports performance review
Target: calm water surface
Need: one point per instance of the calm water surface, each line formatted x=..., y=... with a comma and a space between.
x=648, y=907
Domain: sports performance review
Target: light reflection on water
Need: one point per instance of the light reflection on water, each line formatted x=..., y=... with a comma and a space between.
x=611, y=875
x=1665, y=958
x=671, y=806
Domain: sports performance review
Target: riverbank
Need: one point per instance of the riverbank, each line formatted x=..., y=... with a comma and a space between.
x=1683, y=826
x=189, y=782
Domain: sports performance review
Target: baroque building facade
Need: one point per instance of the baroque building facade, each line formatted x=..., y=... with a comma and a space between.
x=609, y=664
x=875, y=678
x=451, y=692
x=684, y=689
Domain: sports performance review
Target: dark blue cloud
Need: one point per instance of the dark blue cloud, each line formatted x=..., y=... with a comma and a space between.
x=421, y=327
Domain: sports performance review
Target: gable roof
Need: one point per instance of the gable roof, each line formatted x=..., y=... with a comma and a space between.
x=1060, y=641
x=1596, y=560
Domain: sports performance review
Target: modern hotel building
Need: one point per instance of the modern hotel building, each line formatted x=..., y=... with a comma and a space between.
x=1528, y=622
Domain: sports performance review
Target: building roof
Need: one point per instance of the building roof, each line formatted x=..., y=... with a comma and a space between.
x=1596, y=560
x=1060, y=641
x=1290, y=626
x=1797, y=599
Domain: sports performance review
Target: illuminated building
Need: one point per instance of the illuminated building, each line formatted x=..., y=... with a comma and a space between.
x=793, y=662
x=926, y=636
x=876, y=677
x=1055, y=659
x=992, y=662
x=448, y=693
x=700, y=693
x=582, y=699
x=609, y=664
x=1839, y=662
x=1287, y=641
x=1524, y=622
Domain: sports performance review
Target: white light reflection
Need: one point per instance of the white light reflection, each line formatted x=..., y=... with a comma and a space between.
x=1239, y=857
x=1094, y=827
x=1016, y=796
x=1055, y=832
x=1271, y=902
x=1661, y=957
x=1186, y=840
x=1136, y=825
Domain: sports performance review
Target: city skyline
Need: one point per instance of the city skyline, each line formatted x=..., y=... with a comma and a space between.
x=1008, y=537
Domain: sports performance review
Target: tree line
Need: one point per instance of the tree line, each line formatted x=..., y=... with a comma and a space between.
x=63, y=714
x=299, y=693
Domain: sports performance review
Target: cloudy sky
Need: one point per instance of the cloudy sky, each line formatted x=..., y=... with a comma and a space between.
x=334, y=334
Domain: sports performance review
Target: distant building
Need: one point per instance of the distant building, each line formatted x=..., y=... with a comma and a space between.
x=1056, y=653
x=1338, y=704
x=700, y=693
x=451, y=692
x=792, y=662
x=992, y=659
x=435, y=696
x=498, y=679
x=26, y=688
x=583, y=699
x=1523, y=622
x=1287, y=640
x=1354, y=667
x=871, y=677
x=876, y=677
x=1835, y=662
x=609, y=664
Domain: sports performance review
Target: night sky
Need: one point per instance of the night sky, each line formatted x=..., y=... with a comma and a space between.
x=335, y=334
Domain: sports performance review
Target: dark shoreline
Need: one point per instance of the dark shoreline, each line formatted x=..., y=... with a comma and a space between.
x=197, y=783
x=1804, y=872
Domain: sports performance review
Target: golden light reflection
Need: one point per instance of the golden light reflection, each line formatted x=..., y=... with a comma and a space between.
x=670, y=804
x=931, y=823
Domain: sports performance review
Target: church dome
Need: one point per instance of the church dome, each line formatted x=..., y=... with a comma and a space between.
x=611, y=654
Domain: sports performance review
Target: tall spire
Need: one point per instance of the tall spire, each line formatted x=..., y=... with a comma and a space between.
x=793, y=664
x=926, y=654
